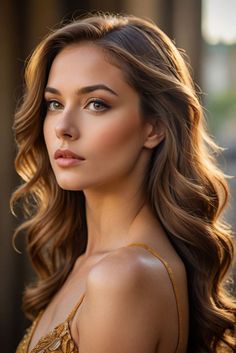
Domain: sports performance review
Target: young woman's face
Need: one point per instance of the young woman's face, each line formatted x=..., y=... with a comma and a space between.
x=93, y=129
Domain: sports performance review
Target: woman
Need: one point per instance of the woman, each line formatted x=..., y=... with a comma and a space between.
x=122, y=195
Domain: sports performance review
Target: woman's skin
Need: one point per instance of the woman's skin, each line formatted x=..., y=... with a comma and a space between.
x=129, y=304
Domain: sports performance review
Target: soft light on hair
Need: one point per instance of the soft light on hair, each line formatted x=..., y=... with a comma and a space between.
x=182, y=180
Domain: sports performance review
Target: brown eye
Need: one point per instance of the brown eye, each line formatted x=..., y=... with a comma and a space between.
x=97, y=105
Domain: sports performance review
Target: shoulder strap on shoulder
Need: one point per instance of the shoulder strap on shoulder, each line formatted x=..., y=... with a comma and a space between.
x=171, y=276
x=76, y=307
x=153, y=252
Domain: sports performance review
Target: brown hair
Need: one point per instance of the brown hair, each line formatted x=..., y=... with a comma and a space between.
x=182, y=180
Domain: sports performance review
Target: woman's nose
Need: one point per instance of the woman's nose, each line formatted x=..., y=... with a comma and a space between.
x=66, y=128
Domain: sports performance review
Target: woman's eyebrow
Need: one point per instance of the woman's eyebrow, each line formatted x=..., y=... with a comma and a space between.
x=84, y=90
x=52, y=90
x=89, y=89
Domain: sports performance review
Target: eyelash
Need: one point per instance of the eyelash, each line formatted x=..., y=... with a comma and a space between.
x=49, y=102
x=104, y=105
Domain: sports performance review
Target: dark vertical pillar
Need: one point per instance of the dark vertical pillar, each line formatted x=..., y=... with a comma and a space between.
x=10, y=271
x=22, y=25
x=140, y=8
x=105, y=5
x=187, y=31
x=164, y=16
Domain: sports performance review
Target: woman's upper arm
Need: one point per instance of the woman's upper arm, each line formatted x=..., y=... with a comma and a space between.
x=123, y=310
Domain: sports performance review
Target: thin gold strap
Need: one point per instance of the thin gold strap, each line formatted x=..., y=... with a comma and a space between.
x=171, y=275
x=76, y=307
x=31, y=331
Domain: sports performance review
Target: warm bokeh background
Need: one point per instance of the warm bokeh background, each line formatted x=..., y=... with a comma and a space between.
x=205, y=29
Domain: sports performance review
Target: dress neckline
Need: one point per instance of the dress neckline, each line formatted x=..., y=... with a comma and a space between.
x=65, y=324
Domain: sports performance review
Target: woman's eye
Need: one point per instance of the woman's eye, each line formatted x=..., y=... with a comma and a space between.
x=97, y=105
x=54, y=105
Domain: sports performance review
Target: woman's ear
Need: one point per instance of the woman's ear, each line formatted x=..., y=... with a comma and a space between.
x=155, y=133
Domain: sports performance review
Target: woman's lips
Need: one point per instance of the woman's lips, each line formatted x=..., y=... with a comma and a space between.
x=67, y=158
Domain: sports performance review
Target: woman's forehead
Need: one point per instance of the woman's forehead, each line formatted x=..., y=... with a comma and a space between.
x=86, y=64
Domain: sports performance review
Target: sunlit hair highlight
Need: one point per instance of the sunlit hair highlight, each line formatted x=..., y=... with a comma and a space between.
x=182, y=180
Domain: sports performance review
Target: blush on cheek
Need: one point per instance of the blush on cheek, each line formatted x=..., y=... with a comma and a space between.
x=116, y=135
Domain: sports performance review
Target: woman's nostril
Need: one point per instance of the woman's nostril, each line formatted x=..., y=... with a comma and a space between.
x=69, y=132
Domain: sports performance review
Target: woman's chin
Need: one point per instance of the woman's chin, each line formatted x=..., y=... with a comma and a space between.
x=70, y=186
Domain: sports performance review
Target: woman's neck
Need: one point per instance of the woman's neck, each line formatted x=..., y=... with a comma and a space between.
x=111, y=218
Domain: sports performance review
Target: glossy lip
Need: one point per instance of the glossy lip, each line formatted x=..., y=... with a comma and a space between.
x=66, y=154
x=67, y=158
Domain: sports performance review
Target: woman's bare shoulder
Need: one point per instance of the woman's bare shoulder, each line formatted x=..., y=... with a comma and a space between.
x=129, y=298
x=132, y=264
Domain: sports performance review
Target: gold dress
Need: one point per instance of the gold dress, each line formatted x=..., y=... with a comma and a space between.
x=57, y=340
x=60, y=340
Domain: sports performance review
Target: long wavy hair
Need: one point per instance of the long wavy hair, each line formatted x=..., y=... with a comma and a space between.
x=182, y=180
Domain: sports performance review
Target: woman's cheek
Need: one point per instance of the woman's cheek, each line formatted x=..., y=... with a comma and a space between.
x=49, y=137
x=114, y=135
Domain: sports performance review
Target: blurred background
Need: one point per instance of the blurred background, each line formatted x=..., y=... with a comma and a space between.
x=205, y=29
